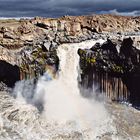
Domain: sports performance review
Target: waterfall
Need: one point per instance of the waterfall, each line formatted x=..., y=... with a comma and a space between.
x=63, y=95
x=66, y=114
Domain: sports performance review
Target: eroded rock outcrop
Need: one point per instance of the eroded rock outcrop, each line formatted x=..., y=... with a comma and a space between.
x=31, y=43
x=25, y=46
x=116, y=74
x=75, y=29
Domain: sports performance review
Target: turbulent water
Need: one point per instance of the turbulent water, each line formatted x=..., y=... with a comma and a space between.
x=64, y=115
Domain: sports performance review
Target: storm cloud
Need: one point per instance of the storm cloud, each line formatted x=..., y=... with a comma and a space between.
x=56, y=8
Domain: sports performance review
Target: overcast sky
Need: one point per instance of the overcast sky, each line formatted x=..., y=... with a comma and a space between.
x=56, y=8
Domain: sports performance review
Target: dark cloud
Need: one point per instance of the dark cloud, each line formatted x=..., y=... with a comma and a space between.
x=55, y=8
x=115, y=12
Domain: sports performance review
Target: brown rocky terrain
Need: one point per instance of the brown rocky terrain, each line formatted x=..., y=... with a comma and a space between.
x=102, y=23
x=25, y=42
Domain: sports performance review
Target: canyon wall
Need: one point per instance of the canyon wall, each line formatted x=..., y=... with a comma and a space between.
x=31, y=44
x=115, y=73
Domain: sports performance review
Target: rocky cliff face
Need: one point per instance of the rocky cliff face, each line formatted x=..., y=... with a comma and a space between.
x=31, y=44
x=23, y=45
x=70, y=29
x=116, y=74
x=99, y=23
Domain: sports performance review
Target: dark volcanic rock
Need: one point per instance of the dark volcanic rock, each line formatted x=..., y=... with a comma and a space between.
x=115, y=73
x=36, y=59
x=9, y=74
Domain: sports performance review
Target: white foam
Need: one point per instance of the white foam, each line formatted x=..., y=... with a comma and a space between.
x=66, y=115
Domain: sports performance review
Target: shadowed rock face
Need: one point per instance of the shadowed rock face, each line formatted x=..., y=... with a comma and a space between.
x=9, y=74
x=115, y=74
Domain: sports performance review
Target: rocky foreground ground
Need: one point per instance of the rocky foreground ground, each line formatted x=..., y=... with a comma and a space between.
x=23, y=121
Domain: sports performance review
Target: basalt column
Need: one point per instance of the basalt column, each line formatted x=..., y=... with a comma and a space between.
x=115, y=74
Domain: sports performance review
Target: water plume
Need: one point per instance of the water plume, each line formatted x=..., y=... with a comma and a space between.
x=63, y=106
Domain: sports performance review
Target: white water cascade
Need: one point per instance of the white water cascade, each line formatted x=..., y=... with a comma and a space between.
x=66, y=115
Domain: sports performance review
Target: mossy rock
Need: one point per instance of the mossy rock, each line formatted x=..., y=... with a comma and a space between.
x=91, y=60
x=118, y=69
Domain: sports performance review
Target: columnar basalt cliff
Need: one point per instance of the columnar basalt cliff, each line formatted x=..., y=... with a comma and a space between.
x=30, y=44
x=116, y=74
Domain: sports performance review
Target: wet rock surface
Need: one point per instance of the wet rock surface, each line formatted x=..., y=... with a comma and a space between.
x=17, y=116
x=115, y=72
x=126, y=119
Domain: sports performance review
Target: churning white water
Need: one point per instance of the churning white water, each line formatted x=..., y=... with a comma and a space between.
x=66, y=114
x=63, y=99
